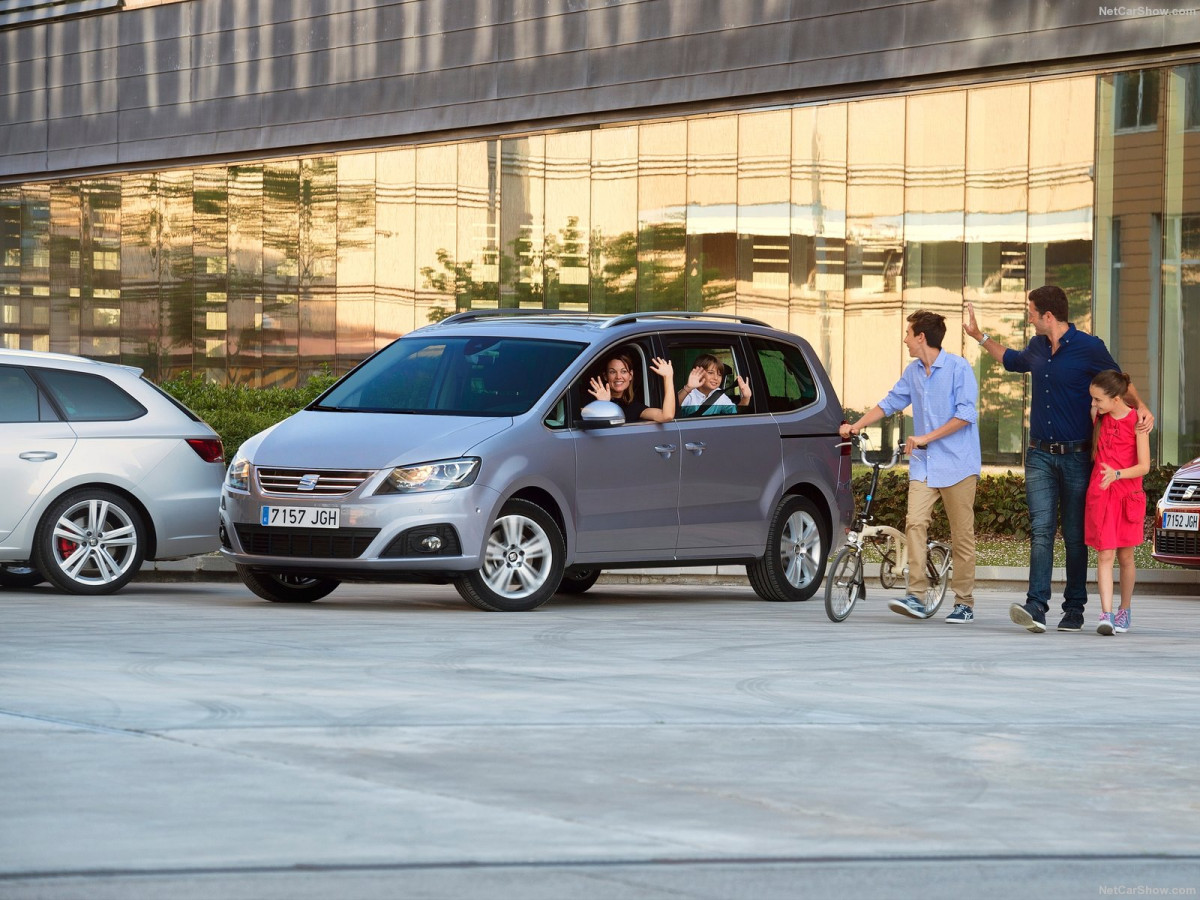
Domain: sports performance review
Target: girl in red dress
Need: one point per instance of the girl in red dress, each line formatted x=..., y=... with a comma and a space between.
x=1115, y=516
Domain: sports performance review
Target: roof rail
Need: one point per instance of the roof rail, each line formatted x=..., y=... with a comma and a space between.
x=680, y=314
x=471, y=315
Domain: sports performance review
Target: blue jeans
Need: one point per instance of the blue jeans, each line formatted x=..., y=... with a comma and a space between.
x=1054, y=485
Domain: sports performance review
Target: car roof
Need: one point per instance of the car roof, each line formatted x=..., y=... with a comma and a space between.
x=593, y=327
x=61, y=360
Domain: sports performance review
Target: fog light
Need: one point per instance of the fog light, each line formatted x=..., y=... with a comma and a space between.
x=432, y=543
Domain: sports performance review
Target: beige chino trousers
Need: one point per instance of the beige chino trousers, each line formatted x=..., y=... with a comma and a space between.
x=959, y=502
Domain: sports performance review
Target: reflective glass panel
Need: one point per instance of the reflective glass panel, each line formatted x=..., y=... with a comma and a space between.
x=437, y=232
x=613, y=269
x=764, y=223
x=395, y=244
x=281, y=272
x=476, y=274
x=65, y=226
x=712, y=192
x=245, y=301
x=662, y=212
x=522, y=221
x=318, y=265
x=568, y=219
x=355, y=310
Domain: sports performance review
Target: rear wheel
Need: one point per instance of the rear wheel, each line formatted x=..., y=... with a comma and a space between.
x=844, y=585
x=577, y=579
x=522, y=563
x=937, y=567
x=284, y=587
x=797, y=547
x=19, y=575
x=90, y=541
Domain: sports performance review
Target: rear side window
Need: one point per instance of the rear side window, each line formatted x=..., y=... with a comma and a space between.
x=18, y=396
x=89, y=398
x=789, y=381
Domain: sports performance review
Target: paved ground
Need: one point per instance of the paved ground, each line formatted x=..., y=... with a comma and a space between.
x=655, y=741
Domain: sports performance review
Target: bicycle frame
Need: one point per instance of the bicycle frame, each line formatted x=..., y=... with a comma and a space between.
x=863, y=531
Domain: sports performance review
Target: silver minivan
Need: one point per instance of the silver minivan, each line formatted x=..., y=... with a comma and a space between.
x=478, y=452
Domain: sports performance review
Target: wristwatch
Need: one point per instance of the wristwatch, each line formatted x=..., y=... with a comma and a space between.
x=984, y=338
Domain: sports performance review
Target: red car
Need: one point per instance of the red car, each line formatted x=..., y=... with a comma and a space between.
x=1177, y=519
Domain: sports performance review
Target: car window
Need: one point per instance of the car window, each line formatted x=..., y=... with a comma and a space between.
x=719, y=392
x=84, y=397
x=789, y=381
x=482, y=376
x=647, y=387
x=18, y=396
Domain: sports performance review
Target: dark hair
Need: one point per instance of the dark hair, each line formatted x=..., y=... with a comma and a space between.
x=1113, y=383
x=707, y=360
x=1049, y=298
x=627, y=395
x=930, y=324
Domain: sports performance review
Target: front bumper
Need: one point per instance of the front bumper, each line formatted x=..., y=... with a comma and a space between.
x=375, y=534
x=1176, y=548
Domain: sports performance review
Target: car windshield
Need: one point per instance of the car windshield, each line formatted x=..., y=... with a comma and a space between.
x=476, y=376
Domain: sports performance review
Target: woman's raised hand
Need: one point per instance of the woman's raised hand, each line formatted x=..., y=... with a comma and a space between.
x=599, y=390
x=663, y=368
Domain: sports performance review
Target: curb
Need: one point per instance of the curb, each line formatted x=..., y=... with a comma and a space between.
x=1164, y=581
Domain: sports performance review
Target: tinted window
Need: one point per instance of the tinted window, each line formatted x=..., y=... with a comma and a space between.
x=789, y=381
x=482, y=376
x=89, y=398
x=18, y=396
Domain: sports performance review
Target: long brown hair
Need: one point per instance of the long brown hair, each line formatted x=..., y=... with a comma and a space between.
x=1116, y=385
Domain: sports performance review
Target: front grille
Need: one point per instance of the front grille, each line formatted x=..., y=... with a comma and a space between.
x=1178, y=488
x=310, y=543
x=1177, y=543
x=329, y=483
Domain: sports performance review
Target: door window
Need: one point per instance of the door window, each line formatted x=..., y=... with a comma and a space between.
x=89, y=398
x=789, y=383
x=710, y=378
x=18, y=396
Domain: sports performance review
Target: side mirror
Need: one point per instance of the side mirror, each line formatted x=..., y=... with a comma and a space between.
x=601, y=414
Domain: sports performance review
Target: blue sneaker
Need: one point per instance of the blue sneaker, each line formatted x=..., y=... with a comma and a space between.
x=1122, y=620
x=1106, y=624
x=910, y=606
x=961, y=613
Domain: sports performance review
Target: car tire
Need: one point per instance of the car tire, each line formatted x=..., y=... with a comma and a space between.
x=797, y=549
x=17, y=575
x=522, y=563
x=90, y=541
x=577, y=579
x=284, y=587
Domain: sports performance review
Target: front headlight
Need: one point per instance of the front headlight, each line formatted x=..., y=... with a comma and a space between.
x=439, y=475
x=238, y=476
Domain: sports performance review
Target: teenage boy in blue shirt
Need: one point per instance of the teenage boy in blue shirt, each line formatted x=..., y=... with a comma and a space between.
x=944, y=458
x=1061, y=361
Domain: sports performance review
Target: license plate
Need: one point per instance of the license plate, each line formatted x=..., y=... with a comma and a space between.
x=1181, y=521
x=300, y=516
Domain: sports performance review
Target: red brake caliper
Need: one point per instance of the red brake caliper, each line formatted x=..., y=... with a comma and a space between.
x=65, y=547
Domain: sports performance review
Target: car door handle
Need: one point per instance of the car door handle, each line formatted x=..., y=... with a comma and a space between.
x=696, y=447
x=39, y=455
x=665, y=450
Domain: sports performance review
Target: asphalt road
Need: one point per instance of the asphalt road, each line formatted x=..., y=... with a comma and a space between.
x=655, y=741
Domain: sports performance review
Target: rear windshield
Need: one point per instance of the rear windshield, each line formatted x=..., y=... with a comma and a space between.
x=477, y=376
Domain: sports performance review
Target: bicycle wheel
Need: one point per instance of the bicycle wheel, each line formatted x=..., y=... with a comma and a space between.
x=844, y=584
x=887, y=566
x=937, y=566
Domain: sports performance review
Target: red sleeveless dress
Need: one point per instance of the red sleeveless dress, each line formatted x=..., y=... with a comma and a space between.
x=1115, y=517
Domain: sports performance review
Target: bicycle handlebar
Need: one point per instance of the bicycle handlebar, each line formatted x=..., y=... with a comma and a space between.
x=861, y=441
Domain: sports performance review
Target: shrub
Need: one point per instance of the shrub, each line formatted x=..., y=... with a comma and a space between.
x=237, y=412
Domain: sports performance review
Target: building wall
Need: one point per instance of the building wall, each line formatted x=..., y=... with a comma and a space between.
x=220, y=78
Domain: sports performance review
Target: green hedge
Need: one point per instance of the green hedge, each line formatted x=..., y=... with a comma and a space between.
x=238, y=412
x=1000, y=508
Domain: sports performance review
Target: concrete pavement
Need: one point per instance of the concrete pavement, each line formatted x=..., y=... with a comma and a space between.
x=640, y=741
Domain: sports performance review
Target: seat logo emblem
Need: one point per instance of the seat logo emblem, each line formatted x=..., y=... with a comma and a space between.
x=1187, y=495
x=308, y=482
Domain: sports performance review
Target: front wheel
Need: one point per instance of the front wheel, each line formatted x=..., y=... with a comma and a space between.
x=18, y=575
x=797, y=547
x=522, y=563
x=938, y=564
x=90, y=541
x=844, y=585
x=282, y=587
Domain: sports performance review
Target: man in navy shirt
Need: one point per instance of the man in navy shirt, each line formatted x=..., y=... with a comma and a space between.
x=1058, y=462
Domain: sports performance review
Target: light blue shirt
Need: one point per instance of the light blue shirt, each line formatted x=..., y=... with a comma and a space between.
x=948, y=392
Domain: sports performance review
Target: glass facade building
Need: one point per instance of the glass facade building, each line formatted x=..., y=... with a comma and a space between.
x=833, y=220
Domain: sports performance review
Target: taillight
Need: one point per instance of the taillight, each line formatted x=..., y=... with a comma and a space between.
x=208, y=449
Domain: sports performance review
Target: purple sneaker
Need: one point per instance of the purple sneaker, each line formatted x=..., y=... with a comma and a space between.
x=1121, y=621
x=1106, y=623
